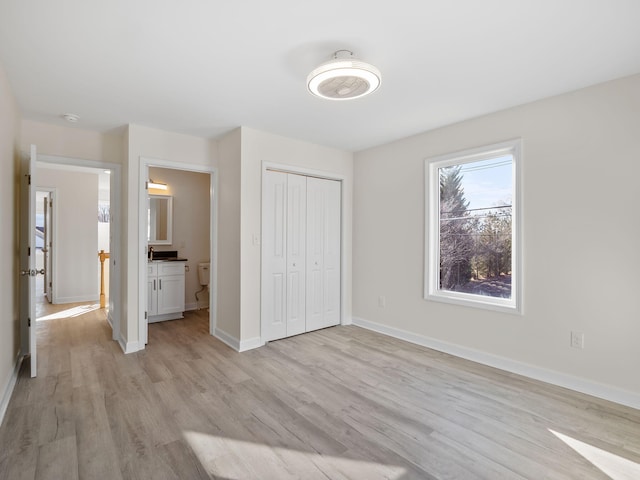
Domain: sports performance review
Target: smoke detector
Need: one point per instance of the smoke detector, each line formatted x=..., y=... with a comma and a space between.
x=71, y=117
x=344, y=78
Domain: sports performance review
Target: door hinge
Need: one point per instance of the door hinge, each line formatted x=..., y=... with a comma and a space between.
x=28, y=251
x=146, y=185
x=29, y=179
x=29, y=321
x=145, y=315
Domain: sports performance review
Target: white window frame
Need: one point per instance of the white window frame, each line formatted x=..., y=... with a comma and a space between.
x=432, y=289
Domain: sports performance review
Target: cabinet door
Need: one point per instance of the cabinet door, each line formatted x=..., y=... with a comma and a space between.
x=323, y=253
x=170, y=294
x=152, y=295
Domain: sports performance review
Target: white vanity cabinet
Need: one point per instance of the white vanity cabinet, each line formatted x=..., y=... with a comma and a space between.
x=165, y=291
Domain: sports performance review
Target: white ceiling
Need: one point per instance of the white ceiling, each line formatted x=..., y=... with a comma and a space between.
x=204, y=67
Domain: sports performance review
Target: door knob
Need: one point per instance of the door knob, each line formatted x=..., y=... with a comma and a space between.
x=32, y=273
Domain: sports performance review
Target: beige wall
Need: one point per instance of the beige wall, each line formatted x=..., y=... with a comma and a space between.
x=9, y=298
x=76, y=276
x=73, y=142
x=191, y=219
x=258, y=147
x=580, y=173
x=228, y=308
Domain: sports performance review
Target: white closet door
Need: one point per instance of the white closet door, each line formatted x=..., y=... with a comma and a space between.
x=296, y=247
x=274, y=251
x=323, y=253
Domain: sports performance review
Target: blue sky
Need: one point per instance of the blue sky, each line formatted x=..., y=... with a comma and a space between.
x=488, y=183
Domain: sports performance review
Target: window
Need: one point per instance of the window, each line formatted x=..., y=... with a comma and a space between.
x=473, y=254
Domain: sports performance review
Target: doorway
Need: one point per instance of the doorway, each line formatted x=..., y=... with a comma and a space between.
x=192, y=235
x=77, y=223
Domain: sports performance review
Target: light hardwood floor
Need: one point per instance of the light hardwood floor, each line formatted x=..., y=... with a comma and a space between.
x=340, y=403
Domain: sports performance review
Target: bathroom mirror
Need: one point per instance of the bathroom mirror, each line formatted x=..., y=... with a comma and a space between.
x=160, y=219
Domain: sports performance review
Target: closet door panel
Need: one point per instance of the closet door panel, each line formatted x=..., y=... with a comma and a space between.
x=296, y=253
x=274, y=250
x=332, y=253
x=315, y=253
x=323, y=253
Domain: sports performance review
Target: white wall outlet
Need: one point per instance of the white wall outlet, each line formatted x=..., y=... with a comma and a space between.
x=577, y=339
x=382, y=301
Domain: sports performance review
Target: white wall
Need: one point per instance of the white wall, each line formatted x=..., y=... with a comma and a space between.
x=191, y=220
x=76, y=276
x=258, y=147
x=581, y=255
x=9, y=207
x=150, y=143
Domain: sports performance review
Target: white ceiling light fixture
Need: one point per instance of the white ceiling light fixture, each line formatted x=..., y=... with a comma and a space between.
x=71, y=117
x=344, y=78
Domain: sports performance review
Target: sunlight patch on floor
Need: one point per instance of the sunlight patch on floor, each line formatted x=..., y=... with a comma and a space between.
x=70, y=312
x=236, y=459
x=616, y=467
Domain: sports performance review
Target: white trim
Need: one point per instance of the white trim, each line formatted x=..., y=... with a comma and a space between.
x=9, y=387
x=250, y=344
x=238, y=345
x=227, y=339
x=286, y=168
x=128, y=347
x=515, y=305
x=95, y=297
x=578, y=384
x=144, y=164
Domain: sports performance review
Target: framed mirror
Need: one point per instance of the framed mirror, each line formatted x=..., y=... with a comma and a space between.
x=160, y=220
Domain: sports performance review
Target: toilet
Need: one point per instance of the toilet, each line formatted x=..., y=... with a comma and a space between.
x=203, y=273
x=203, y=278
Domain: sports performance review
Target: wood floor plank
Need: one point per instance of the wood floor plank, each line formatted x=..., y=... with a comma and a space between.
x=341, y=403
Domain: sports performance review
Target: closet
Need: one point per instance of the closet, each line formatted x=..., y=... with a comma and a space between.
x=300, y=254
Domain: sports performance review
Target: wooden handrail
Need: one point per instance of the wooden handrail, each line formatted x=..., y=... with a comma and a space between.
x=103, y=256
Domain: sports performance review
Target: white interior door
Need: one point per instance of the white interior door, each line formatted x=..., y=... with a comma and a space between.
x=28, y=270
x=301, y=254
x=323, y=253
x=296, y=247
x=274, y=255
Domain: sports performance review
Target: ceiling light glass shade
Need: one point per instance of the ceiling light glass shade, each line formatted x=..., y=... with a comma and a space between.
x=344, y=79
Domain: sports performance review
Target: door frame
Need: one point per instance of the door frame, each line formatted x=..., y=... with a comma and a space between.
x=115, y=229
x=143, y=175
x=52, y=193
x=309, y=172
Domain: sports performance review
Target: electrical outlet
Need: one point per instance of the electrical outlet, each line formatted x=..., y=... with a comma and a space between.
x=577, y=339
x=382, y=301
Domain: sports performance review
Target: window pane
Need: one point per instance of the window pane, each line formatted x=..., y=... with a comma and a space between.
x=475, y=227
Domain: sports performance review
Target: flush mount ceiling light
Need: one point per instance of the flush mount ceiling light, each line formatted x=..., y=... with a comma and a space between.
x=71, y=117
x=343, y=78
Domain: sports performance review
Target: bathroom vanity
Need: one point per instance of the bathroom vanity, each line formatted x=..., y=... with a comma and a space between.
x=165, y=290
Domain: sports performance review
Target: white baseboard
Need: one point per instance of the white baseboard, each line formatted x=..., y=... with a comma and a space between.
x=238, y=345
x=128, y=347
x=250, y=344
x=230, y=340
x=78, y=299
x=9, y=386
x=579, y=384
